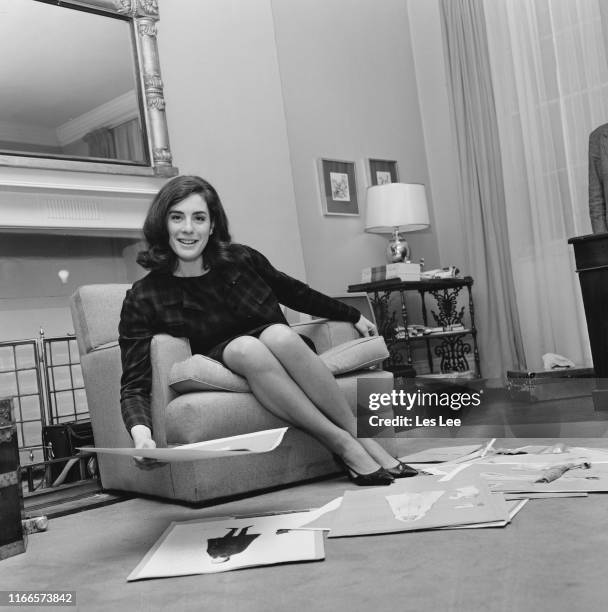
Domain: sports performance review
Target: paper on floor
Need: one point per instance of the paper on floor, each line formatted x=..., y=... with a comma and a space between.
x=206, y=547
x=441, y=454
x=522, y=477
x=514, y=507
x=417, y=503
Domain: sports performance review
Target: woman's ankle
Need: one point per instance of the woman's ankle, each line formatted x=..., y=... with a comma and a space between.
x=358, y=459
x=378, y=453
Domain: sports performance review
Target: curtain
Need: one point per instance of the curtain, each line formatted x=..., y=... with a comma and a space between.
x=128, y=141
x=123, y=142
x=101, y=143
x=548, y=59
x=481, y=184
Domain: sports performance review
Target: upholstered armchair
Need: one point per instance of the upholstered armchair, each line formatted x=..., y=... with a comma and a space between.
x=196, y=399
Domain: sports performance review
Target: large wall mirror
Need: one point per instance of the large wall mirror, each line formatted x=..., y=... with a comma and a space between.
x=80, y=86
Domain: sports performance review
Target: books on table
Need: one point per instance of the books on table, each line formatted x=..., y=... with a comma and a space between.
x=402, y=271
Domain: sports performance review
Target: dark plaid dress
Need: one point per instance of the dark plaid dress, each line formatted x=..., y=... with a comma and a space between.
x=207, y=290
x=241, y=298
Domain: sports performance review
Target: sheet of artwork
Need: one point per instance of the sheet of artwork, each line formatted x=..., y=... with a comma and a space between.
x=554, y=455
x=534, y=449
x=418, y=503
x=326, y=521
x=539, y=477
x=328, y=514
x=323, y=518
x=257, y=442
x=441, y=454
x=316, y=516
x=512, y=496
x=221, y=545
x=514, y=506
x=340, y=190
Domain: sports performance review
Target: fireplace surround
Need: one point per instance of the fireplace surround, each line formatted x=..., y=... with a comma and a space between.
x=84, y=223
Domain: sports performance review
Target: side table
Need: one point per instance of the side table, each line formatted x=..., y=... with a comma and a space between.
x=455, y=341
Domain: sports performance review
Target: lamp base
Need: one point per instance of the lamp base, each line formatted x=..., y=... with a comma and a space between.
x=398, y=249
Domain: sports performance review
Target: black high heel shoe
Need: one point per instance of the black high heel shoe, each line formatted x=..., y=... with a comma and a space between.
x=380, y=477
x=402, y=470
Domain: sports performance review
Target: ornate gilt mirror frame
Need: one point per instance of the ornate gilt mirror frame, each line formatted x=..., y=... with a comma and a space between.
x=143, y=17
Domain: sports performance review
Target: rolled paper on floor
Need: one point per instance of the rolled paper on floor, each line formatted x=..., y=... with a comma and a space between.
x=553, y=473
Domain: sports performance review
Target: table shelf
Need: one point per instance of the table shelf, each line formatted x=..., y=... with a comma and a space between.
x=445, y=334
x=453, y=347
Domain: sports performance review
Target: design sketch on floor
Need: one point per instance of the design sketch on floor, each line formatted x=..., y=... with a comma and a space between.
x=412, y=506
x=221, y=549
x=470, y=496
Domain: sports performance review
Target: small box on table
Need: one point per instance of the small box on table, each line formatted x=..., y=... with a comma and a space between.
x=402, y=270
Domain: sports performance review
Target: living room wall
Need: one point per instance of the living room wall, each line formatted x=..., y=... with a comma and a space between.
x=349, y=86
x=227, y=120
x=258, y=90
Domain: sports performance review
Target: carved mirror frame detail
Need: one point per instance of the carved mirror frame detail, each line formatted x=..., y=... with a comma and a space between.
x=145, y=15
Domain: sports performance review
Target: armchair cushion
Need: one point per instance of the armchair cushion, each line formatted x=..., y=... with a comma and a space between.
x=200, y=373
x=358, y=354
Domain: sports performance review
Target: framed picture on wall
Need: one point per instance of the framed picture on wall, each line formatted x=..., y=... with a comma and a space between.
x=338, y=183
x=382, y=171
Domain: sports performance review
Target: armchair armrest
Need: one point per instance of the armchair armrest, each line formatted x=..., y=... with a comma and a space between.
x=327, y=334
x=165, y=350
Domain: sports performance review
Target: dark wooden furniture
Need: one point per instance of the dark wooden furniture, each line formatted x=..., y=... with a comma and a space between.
x=12, y=538
x=591, y=256
x=450, y=345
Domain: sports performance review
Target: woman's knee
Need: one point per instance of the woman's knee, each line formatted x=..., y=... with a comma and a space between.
x=280, y=338
x=247, y=353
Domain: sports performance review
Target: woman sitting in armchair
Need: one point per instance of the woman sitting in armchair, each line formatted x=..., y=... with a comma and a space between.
x=228, y=308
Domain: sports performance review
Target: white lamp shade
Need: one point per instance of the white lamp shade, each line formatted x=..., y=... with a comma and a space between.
x=396, y=205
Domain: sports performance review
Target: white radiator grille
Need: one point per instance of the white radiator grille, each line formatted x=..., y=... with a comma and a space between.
x=75, y=210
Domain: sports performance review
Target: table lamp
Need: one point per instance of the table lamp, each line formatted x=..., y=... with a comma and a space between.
x=394, y=208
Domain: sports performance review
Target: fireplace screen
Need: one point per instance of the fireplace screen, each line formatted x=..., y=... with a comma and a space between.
x=43, y=376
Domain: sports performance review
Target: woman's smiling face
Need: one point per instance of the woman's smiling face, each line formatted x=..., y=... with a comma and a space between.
x=189, y=226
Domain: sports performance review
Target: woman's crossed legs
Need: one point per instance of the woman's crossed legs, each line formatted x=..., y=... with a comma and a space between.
x=293, y=383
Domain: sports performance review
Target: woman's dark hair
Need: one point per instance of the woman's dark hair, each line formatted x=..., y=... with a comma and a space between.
x=159, y=256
